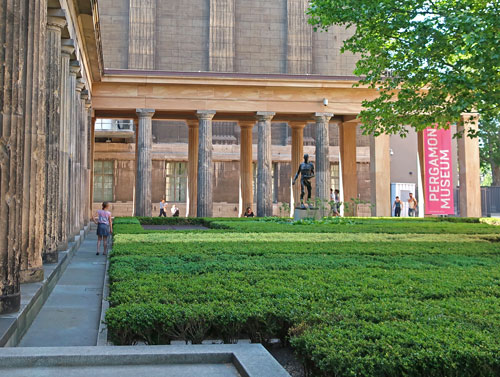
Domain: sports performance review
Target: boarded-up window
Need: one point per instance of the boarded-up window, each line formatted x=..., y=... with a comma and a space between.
x=176, y=181
x=103, y=181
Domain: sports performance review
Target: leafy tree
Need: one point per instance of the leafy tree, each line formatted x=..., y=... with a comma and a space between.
x=431, y=60
x=489, y=132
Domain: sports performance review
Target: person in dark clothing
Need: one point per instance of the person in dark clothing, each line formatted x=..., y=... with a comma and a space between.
x=397, y=207
x=248, y=213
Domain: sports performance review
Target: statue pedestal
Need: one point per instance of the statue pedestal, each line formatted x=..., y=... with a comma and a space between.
x=309, y=213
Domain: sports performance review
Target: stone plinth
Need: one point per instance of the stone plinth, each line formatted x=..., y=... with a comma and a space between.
x=309, y=213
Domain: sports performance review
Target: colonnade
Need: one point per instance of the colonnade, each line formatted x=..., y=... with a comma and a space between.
x=200, y=164
x=44, y=163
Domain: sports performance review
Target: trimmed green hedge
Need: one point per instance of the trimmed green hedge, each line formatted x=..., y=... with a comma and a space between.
x=377, y=304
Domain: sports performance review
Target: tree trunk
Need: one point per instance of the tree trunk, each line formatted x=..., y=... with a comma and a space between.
x=495, y=173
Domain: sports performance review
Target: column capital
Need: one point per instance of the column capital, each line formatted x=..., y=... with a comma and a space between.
x=264, y=116
x=74, y=67
x=80, y=84
x=205, y=114
x=246, y=123
x=56, y=23
x=297, y=124
x=323, y=117
x=88, y=104
x=85, y=94
x=145, y=113
x=67, y=46
x=192, y=123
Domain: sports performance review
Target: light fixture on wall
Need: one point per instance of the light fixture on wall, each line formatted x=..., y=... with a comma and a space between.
x=325, y=101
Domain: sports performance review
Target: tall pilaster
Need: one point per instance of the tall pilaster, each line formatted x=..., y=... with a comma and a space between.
x=299, y=38
x=380, y=175
x=67, y=48
x=322, y=168
x=469, y=170
x=85, y=157
x=297, y=155
x=55, y=24
x=12, y=32
x=205, y=166
x=34, y=167
x=144, y=163
x=246, y=165
x=221, y=47
x=192, y=166
x=264, y=165
x=347, y=133
x=142, y=34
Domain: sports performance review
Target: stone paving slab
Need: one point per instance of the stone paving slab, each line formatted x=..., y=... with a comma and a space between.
x=225, y=360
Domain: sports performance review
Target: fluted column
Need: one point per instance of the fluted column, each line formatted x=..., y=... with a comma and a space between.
x=144, y=163
x=299, y=38
x=380, y=175
x=469, y=169
x=205, y=166
x=142, y=34
x=12, y=32
x=221, y=49
x=246, y=164
x=74, y=71
x=87, y=117
x=192, y=166
x=55, y=23
x=264, y=165
x=297, y=154
x=322, y=168
x=347, y=131
x=34, y=168
x=67, y=48
x=78, y=218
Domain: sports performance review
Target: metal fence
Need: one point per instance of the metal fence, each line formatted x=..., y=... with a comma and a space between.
x=490, y=201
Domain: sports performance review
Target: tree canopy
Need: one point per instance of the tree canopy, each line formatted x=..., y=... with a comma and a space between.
x=431, y=60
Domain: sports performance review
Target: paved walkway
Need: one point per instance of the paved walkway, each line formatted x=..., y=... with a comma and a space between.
x=71, y=314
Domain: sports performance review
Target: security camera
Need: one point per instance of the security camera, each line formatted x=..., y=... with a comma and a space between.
x=325, y=101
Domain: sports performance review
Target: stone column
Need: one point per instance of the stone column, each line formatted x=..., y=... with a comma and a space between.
x=77, y=202
x=205, y=166
x=264, y=165
x=87, y=116
x=246, y=166
x=347, y=133
x=74, y=71
x=299, y=38
x=34, y=168
x=469, y=170
x=380, y=175
x=144, y=163
x=221, y=49
x=91, y=167
x=55, y=24
x=297, y=155
x=322, y=168
x=142, y=34
x=67, y=48
x=12, y=33
x=192, y=166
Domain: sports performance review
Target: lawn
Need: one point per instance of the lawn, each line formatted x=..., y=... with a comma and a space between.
x=352, y=297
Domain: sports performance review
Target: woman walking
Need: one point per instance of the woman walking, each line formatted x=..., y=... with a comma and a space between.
x=104, y=227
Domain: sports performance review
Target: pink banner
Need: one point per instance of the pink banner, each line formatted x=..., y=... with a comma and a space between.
x=438, y=172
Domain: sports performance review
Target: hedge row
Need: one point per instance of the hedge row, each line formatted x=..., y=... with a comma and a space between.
x=348, y=308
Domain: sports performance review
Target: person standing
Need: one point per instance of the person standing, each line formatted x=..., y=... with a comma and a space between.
x=412, y=205
x=397, y=207
x=162, y=208
x=104, y=227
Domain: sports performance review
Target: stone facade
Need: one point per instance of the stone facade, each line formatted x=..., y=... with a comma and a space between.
x=243, y=36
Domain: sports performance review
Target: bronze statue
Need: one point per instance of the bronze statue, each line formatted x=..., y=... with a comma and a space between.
x=306, y=169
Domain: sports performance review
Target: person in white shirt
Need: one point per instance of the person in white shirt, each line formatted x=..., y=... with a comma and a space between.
x=175, y=211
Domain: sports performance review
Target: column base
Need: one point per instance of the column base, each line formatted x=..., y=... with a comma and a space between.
x=32, y=275
x=51, y=257
x=63, y=246
x=10, y=303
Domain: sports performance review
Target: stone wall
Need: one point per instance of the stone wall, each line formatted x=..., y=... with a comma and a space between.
x=245, y=36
